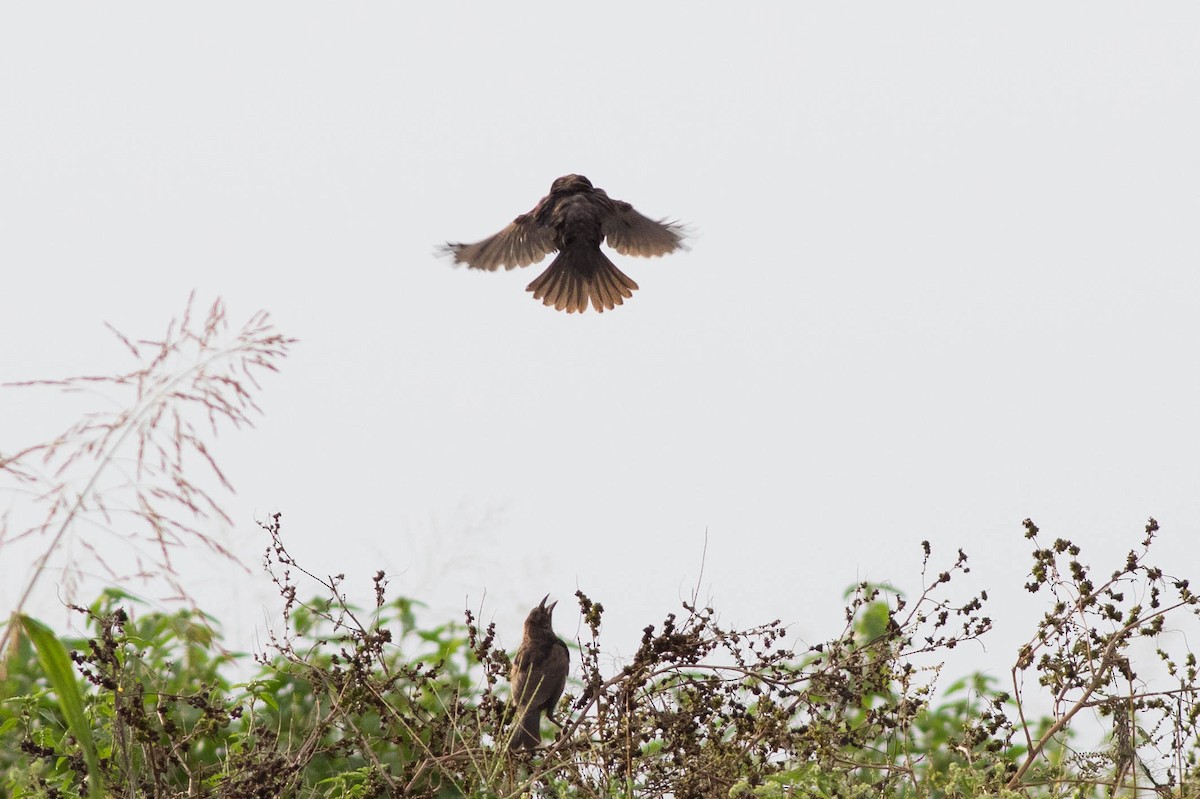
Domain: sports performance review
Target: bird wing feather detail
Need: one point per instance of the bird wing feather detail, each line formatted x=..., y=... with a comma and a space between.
x=630, y=233
x=521, y=243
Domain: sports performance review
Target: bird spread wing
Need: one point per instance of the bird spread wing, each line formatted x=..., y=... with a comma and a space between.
x=630, y=233
x=522, y=243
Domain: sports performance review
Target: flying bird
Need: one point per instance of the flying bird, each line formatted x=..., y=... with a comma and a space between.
x=573, y=219
x=538, y=675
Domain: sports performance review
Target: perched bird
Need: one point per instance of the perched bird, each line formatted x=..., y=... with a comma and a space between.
x=538, y=675
x=573, y=219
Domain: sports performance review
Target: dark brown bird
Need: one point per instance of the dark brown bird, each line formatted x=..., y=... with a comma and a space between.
x=538, y=675
x=573, y=219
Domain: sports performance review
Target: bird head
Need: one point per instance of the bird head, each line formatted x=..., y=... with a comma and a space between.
x=540, y=616
x=570, y=184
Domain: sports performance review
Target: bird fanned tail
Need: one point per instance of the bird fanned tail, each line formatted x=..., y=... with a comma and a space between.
x=579, y=275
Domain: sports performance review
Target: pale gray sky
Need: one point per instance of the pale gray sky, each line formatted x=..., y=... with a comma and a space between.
x=943, y=277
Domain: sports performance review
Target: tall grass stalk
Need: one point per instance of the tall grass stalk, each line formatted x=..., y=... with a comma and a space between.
x=127, y=471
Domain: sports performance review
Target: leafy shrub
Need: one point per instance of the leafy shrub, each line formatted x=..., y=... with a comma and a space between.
x=352, y=701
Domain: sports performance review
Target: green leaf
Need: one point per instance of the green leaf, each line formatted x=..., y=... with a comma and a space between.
x=956, y=686
x=873, y=623
x=56, y=663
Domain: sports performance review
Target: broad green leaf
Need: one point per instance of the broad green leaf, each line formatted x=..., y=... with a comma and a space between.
x=56, y=663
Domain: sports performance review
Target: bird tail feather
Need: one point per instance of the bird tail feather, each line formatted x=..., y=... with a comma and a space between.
x=580, y=274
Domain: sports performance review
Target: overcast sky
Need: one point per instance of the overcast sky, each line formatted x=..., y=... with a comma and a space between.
x=942, y=277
